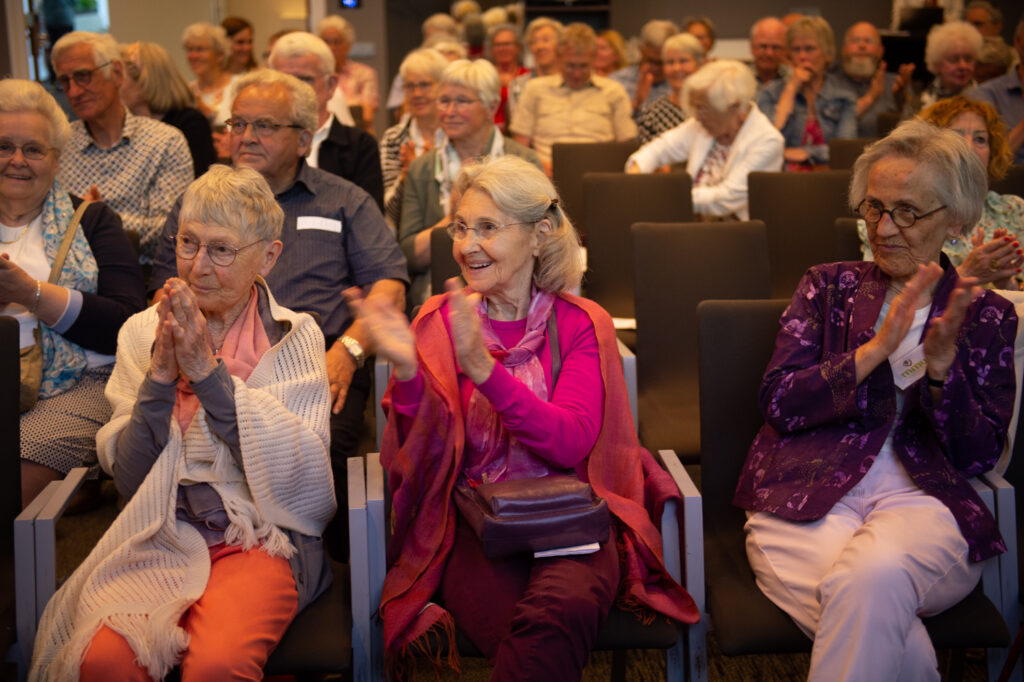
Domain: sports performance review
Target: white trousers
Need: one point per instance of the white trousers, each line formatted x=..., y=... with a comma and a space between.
x=857, y=580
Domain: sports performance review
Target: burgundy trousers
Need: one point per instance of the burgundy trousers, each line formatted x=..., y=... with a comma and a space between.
x=534, y=619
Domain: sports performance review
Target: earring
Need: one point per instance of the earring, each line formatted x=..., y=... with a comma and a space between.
x=953, y=240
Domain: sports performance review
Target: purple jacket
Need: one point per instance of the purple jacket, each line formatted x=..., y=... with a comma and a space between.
x=822, y=431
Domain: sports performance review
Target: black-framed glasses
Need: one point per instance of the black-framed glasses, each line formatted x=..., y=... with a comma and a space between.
x=902, y=216
x=261, y=127
x=33, y=151
x=187, y=247
x=485, y=231
x=82, y=77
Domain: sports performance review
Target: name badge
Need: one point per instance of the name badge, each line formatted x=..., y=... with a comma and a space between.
x=312, y=222
x=909, y=367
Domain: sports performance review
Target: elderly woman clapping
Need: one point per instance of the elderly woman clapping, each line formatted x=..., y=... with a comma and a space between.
x=950, y=54
x=219, y=442
x=75, y=310
x=725, y=137
x=510, y=379
x=891, y=384
x=470, y=93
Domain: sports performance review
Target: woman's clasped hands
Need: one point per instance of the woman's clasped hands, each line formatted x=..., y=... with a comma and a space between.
x=182, y=345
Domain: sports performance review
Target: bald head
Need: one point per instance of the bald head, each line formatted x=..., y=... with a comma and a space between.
x=862, y=51
x=768, y=47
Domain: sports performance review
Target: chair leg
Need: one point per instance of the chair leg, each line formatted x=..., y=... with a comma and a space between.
x=620, y=664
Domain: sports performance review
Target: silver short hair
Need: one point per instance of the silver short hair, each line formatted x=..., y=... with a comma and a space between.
x=942, y=37
x=684, y=42
x=521, y=191
x=303, y=110
x=478, y=75
x=301, y=44
x=726, y=82
x=348, y=33
x=426, y=61
x=105, y=49
x=207, y=32
x=235, y=198
x=543, y=22
x=958, y=177
x=17, y=96
x=656, y=31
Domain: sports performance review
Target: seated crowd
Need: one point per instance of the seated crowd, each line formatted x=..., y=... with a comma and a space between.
x=279, y=246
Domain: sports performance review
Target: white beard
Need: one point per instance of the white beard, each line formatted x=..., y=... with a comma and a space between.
x=860, y=67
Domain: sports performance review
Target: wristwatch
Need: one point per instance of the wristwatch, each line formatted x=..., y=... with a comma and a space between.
x=355, y=349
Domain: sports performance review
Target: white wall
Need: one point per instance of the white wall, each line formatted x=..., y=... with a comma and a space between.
x=159, y=22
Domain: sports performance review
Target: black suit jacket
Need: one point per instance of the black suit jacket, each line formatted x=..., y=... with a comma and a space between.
x=353, y=154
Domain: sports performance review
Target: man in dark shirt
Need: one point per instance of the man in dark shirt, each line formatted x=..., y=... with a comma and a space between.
x=334, y=238
x=337, y=148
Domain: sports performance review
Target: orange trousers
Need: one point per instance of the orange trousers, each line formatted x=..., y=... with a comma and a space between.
x=248, y=604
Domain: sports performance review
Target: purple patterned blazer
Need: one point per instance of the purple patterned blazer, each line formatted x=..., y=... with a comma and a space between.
x=823, y=432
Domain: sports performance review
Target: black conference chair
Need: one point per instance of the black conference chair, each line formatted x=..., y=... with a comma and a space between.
x=570, y=161
x=736, y=341
x=613, y=202
x=10, y=500
x=847, y=240
x=1013, y=183
x=678, y=265
x=843, y=152
x=799, y=210
x=442, y=263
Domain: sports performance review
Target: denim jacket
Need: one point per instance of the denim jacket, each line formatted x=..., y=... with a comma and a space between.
x=836, y=108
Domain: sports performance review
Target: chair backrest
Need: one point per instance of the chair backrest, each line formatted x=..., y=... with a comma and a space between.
x=612, y=202
x=887, y=120
x=842, y=152
x=799, y=210
x=570, y=160
x=1013, y=183
x=678, y=265
x=736, y=342
x=442, y=263
x=847, y=240
x=10, y=431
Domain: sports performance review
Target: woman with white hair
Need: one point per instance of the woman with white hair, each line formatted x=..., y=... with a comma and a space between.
x=512, y=378
x=207, y=48
x=70, y=315
x=681, y=55
x=950, y=54
x=219, y=443
x=418, y=132
x=890, y=386
x=812, y=106
x=469, y=95
x=725, y=137
x=357, y=82
x=542, y=37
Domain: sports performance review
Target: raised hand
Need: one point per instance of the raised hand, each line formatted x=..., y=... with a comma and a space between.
x=163, y=367
x=16, y=286
x=192, y=350
x=474, y=359
x=996, y=260
x=389, y=331
x=940, y=341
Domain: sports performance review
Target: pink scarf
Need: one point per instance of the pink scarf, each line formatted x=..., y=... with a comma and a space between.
x=496, y=454
x=244, y=345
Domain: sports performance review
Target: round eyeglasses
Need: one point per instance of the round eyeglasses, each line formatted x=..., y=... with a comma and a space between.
x=902, y=216
x=33, y=151
x=187, y=247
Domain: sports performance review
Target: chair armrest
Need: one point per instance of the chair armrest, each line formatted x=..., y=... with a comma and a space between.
x=360, y=583
x=629, y=370
x=1006, y=517
x=46, y=534
x=381, y=374
x=377, y=515
x=692, y=556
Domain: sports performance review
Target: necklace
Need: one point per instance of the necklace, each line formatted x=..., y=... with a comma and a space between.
x=23, y=231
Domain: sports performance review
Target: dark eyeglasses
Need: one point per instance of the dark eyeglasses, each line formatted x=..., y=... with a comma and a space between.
x=902, y=216
x=261, y=128
x=33, y=151
x=187, y=247
x=81, y=78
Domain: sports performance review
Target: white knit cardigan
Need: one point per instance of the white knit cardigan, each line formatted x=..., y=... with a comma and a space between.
x=149, y=567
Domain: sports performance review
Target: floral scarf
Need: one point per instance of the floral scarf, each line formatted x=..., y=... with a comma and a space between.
x=64, y=362
x=447, y=163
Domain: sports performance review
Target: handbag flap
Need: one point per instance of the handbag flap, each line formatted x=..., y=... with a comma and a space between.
x=535, y=495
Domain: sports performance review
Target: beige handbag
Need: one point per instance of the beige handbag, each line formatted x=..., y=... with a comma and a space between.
x=32, y=356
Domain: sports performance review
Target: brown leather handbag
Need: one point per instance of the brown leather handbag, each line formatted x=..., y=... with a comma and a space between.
x=533, y=514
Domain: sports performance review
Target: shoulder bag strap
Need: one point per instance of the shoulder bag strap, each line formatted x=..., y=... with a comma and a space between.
x=556, y=349
x=65, y=245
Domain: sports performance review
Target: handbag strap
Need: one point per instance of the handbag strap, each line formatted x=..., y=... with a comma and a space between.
x=556, y=349
x=65, y=245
